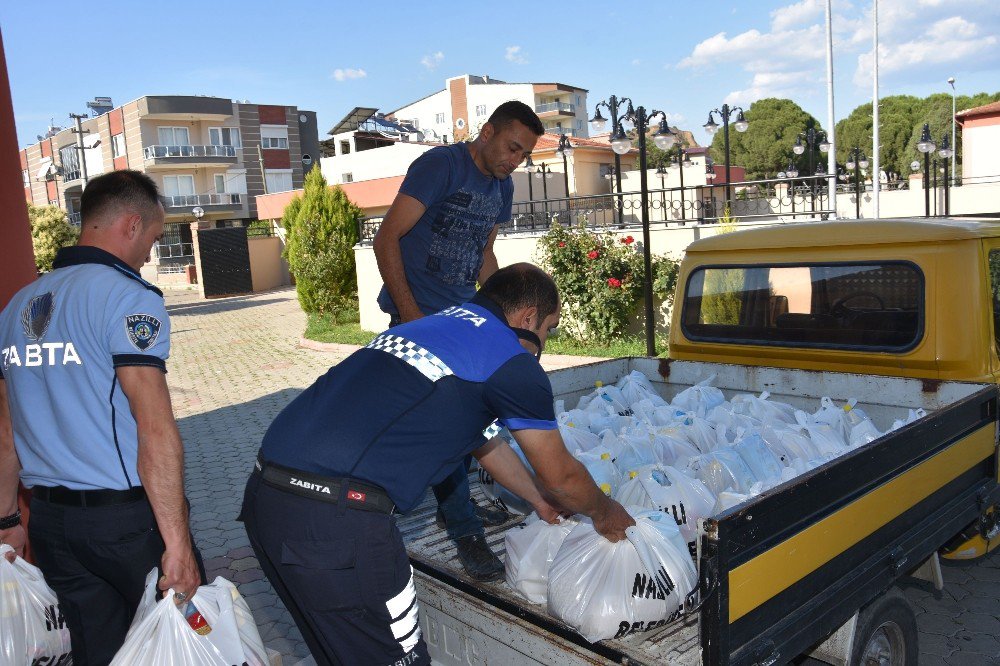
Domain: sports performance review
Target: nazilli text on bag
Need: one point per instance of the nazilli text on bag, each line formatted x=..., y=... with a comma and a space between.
x=32, y=628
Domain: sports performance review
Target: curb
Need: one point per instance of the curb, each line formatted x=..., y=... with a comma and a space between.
x=330, y=347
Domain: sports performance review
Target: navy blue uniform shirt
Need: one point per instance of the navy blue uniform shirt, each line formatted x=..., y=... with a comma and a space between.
x=405, y=410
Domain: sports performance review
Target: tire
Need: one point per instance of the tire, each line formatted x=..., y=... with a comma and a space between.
x=886, y=633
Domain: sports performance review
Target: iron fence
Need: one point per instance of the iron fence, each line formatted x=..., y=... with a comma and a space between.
x=806, y=197
x=153, y=152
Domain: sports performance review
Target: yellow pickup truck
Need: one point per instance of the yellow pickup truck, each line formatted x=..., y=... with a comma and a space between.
x=898, y=315
x=904, y=298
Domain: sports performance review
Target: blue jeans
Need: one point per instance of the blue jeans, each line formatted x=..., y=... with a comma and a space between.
x=454, y=501
x=453, y=494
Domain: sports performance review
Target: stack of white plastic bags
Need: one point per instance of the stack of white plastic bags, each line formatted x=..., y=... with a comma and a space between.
x=688, y=459
x=161, y=636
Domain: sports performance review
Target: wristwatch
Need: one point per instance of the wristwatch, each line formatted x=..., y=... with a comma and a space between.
x=10, y=521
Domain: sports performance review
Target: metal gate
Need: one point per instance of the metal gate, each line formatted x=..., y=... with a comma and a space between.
x=225, y=261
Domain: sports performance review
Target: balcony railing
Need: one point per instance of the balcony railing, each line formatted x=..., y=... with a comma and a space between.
x=71, y=175
x=74, y=219
x=187, y=200
x=156, y=152
x=565, y=107
x=568, y=131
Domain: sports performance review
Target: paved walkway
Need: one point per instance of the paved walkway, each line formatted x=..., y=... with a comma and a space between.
x=236, y=362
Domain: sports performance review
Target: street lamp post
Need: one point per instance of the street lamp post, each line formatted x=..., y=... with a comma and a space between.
x=812, y=137
x=791, y=173
x=598, y=122
x=712, y=127
x=856, y=161
x=926, y=146
x=946, y=152
x=682, y=161
x=954, y=144
x=662, y=173
x=544, y=172
x=529, y=168
x=664, y=139
x=566, y=150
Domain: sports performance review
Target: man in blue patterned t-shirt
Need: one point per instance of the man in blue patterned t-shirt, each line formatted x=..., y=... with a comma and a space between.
x=435, y=244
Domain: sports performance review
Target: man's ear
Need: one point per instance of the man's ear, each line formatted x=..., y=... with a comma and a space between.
x=529, y=318
x=133, y=226
x=487, y=131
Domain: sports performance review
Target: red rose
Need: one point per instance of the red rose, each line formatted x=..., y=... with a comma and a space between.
x=614, y=283
x=628, y=240
x=562, y=244
x=593, y=254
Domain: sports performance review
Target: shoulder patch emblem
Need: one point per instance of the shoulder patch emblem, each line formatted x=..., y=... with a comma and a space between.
x=36, y=316
x=142, y=330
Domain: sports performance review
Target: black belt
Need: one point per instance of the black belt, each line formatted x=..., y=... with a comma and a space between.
x=87, y=498
x=359, y=494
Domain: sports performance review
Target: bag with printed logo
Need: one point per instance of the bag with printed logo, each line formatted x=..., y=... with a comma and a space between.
x=160, y=634
x=611, y=590
x=32, y=628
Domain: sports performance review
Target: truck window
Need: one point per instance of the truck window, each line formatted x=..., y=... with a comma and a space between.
x=877, y=306
x=995, y=289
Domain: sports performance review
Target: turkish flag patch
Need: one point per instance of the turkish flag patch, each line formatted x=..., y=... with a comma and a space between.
x=356, y=496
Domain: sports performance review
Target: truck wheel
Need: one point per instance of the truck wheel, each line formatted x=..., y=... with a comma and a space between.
x=886, y=633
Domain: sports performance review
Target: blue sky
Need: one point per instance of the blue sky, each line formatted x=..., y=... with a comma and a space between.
x=685, y=58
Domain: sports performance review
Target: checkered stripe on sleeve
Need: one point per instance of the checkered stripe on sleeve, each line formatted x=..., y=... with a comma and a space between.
x=492, y=430
x=426, y=363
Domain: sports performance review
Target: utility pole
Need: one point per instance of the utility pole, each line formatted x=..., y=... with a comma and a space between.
x=876, y=162
x=260, y=160
x=831, y=160
x=79, y=131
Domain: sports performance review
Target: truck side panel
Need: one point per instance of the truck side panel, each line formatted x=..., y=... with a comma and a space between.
x=800, y=560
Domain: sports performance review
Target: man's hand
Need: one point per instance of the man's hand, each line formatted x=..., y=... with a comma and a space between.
x=612, y=522
x=180, y=572
x=547, y=511
x=15, y=537
x=410, y=315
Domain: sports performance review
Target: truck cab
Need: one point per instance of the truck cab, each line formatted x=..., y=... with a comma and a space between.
x=910, y=298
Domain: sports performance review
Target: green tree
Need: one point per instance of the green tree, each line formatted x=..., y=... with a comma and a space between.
x=50, y=231
x=322, y=229
x=766, y=147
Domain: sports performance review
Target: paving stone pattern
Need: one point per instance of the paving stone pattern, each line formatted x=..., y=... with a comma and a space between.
x=236, y=362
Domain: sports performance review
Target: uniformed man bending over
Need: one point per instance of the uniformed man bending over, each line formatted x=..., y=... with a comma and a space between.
x=85, y=418
x=366, y=440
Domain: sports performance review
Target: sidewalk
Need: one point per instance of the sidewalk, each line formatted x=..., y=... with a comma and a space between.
x=237, y=362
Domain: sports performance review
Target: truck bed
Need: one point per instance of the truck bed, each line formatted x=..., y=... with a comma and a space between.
x=466, y=622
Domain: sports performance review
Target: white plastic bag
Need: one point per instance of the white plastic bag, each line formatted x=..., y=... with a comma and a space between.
x=723, y=470
x=861, y=430
x=32, y=628
x=762, y=409
x=160, y=636
x=635, y=387
x=760, y=459
x=700, y=398
x=828, y=439
x=610, y=590
x=578, y=438
x=602, y=470
x=531, y=546
x=666, y=489
x=913, y=415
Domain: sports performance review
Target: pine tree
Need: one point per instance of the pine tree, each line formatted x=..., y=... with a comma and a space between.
x=322, y=229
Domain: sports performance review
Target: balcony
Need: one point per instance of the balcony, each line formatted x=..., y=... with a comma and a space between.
x=74, y=219
x=554, y=109
x=568, y=131
x=193, y=156
x=183, y=203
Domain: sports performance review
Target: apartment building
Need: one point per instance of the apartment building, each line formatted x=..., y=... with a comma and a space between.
x=466, y=102
x=208, y=153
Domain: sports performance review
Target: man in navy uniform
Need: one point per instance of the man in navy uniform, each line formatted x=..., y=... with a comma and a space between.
x=368, y=437
x=87, y=425
x=435, y=244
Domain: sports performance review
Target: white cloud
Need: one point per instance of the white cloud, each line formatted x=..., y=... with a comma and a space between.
x=771, y=84
x=757, y=51
x=675, y=119
x=513, y=54
x=349, y=73
x=946, y=41
x=795, y=15
x=636, y=62
x=432, y=60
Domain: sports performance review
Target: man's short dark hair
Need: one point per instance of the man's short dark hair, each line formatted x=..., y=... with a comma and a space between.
x=514, y=110
x=522, y=286
x=128, y=189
